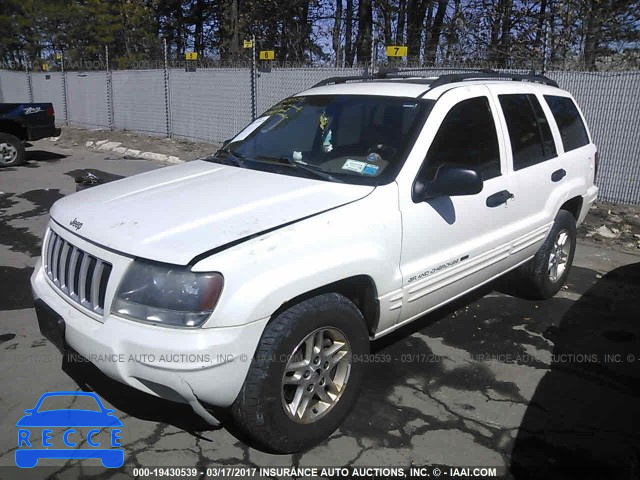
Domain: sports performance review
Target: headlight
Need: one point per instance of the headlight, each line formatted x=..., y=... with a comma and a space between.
x=167, y=294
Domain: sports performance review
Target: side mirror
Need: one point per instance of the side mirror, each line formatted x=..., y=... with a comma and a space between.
x=449, y=182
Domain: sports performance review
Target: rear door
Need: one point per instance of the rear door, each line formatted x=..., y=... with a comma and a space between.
x=536, y=165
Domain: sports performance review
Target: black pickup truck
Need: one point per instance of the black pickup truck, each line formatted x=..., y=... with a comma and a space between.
x=21, y=122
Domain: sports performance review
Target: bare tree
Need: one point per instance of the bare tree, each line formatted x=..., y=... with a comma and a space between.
x=416, y=10
x=436, y=30
x=365, y=25
x=452, y=32
x=337, y=26
x=385, y=12
x=593, y=31
x=402, y=13
x=348, y=33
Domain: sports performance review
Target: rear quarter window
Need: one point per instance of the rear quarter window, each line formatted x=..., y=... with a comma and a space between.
x=572, y=129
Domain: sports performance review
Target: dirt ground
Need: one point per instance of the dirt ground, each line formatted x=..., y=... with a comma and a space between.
x=614, y=225
x=185, y=150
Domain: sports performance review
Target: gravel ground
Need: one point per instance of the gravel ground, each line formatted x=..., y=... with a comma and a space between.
x=617, y=226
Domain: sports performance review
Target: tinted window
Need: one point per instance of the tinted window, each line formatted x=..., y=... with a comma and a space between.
x=545, y=131
x=466, y=138
x=529, y=132
x=572, y=130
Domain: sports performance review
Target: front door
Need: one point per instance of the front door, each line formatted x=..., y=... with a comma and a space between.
x=451, y=244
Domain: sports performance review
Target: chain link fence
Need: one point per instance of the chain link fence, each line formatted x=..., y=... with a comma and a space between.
x=213, y=104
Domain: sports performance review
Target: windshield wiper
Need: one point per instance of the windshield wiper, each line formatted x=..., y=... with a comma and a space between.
x=302, y=166
x=235, y=158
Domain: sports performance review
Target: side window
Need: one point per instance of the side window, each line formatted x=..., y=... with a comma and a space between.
x=545, y=130
x=572, y=130
x=467, y=138
x=529, y=132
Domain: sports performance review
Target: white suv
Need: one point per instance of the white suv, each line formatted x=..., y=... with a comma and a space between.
x=256, y=278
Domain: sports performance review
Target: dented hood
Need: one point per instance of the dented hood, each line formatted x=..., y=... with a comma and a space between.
x=174, y=214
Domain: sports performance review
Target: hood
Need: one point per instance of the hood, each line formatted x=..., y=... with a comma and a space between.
x=175, y=213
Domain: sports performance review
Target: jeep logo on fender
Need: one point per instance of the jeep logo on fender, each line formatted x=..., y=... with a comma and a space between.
x=76, y=224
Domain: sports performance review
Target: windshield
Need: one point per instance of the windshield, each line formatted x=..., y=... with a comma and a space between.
x=351, y=138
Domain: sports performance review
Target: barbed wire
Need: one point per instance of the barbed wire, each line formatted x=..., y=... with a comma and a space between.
x=93, y=61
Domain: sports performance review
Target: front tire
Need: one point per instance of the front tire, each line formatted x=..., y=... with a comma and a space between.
x=547, y=271
x=303, y=379
x=12, y=151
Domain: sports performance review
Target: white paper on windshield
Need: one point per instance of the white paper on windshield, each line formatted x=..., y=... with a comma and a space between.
x=249, y=128
x=354, y=165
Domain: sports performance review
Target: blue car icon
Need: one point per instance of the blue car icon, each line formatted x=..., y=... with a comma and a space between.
x=69, y=419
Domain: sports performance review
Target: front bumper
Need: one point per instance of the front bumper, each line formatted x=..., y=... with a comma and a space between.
x=206, y=364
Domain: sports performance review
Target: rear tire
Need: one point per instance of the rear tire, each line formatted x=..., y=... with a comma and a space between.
x=12, y=151
x=547, y=271
x=307, y=353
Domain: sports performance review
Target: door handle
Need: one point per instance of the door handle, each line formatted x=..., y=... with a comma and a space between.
x=558, y=175
x=499, y=198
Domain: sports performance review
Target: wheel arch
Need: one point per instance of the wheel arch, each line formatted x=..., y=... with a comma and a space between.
x=573, y=206
x=360, y=289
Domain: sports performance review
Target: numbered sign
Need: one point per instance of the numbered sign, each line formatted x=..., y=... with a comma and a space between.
x=267, y=54
x=191, y=56
x=247, y=44
x=397, y=51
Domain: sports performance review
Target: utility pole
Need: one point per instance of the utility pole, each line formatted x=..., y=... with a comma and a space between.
x=65, y=106
x=28, y=74
x=254, y=95
x=109, y=89
x=373, y=50
x=167, y=89
x=545, y=46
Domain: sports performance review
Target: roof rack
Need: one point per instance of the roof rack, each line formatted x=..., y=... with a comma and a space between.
x=465, y=74
x=391, y=72
x=516, y=77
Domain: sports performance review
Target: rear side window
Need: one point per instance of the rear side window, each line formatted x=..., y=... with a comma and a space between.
x=466, y=138
x=529, y=132
x=572, y=129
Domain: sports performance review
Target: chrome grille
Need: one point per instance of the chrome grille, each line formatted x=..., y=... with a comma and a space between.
x=78, y=275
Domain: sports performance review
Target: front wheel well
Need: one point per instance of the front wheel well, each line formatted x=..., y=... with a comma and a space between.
x=360, y=289
x=573, y=206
